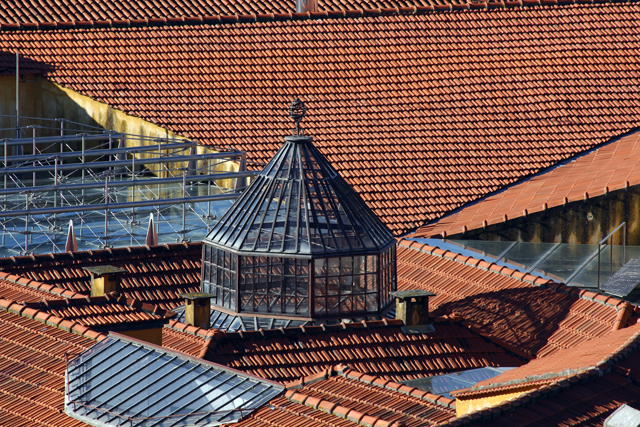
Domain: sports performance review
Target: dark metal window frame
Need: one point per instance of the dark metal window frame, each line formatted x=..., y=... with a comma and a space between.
x=385, y=278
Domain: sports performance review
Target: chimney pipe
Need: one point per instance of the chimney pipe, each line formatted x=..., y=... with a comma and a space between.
x=304, y=6
x=197, y=309
x=412, y=307
x=104, y=279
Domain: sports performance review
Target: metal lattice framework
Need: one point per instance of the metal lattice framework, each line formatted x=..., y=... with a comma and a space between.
x=108, y=184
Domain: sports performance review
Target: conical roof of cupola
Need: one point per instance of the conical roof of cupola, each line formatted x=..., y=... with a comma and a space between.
x=299, y=204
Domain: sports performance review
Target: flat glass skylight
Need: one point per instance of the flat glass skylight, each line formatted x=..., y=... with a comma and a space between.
x=444, y=384
x=127, y=382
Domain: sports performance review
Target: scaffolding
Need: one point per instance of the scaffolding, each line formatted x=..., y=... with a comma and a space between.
x=107, y=184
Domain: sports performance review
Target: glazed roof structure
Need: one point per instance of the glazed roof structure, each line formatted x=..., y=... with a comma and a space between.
x=532, y=316
x=300, y=205
x=154, y=275
x=123, y=380
x=418, y=113
x=378, y=347
x=614, y=166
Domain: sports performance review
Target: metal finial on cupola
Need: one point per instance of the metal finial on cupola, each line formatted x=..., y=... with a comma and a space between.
x=297, y=111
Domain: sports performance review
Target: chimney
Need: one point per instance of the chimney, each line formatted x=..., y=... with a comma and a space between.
x=412, y=307
x=197, y=309
x=304, y=6
x=104, y=279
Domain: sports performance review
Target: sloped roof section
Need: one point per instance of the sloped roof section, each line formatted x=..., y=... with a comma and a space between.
x=299, y=204
x=341, y=396
x=154, y=275
x=377, y=347
x=109, y=312
x=527, y=314
x=32, y=355
x=614, y=166
x=416, y=129
x=563, y=363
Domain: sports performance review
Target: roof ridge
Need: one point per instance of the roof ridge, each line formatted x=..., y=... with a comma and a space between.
x=346, y=372
x=47, y=319
x=526, y=398
x=486, y=6
x=34, y=284
x=112, y=298
x=515, y=274
x=112, y=252
x=319, y=329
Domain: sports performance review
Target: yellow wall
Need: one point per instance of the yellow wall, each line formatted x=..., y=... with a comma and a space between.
x=467, y=406
x=44, y=99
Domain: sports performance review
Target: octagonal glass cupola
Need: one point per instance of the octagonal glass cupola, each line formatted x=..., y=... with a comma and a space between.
x=300, y=242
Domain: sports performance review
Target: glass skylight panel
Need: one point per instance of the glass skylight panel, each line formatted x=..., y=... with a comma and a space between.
x=121, y=382
x=444, y=384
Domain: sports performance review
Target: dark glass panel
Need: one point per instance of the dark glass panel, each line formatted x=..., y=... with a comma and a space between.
x=346, y=305
x=321, y=286
x=332, y=305
x=333, y=286
x=303, y=306
x=372, y=302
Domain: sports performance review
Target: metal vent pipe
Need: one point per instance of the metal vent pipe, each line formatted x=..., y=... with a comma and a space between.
x=304, y=6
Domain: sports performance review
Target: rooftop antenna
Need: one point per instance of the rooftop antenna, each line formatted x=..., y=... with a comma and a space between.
x=72, y=243
x=152, y=233
x=297, y=111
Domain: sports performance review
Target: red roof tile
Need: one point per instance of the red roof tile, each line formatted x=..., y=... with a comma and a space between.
x=156, y=275
x=614, y=166
x=32, y=360
x=104, y=313
x=586, y=401
x=536, y=317
x=594, y=353
x=119, y=13
x=340, y=396
x=378, y=349
x=421, y=114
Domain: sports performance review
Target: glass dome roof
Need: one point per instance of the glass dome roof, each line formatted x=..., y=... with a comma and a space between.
x=299, y=204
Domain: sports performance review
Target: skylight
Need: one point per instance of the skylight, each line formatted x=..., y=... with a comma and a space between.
x=127, y=382
x=445, y=384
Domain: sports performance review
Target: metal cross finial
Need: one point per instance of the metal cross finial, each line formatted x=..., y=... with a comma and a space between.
x=297, y=111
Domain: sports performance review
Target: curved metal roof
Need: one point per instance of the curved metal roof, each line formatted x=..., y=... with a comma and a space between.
x=299, y=204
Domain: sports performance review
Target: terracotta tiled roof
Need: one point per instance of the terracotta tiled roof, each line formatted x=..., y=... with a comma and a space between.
x=589, y=354
x=47, y=14
x=377, y=347
x=21, y=289
x=104, y=313
x=528, y=314
x=421, y=114
x=155, y=275
x=614, y=166
x=340, y=396
x=597, y=379
x=32, y=357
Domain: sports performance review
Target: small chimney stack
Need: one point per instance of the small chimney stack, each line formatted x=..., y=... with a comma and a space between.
x=412, y=307
x=304, y=6
x=197, y=309
x=104, y=279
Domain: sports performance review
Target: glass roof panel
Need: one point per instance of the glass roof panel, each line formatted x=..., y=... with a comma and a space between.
x=123, y=382
x=299, y=204
x=444, y=384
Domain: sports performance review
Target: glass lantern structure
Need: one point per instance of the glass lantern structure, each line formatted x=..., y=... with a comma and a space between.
x=300, y=242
